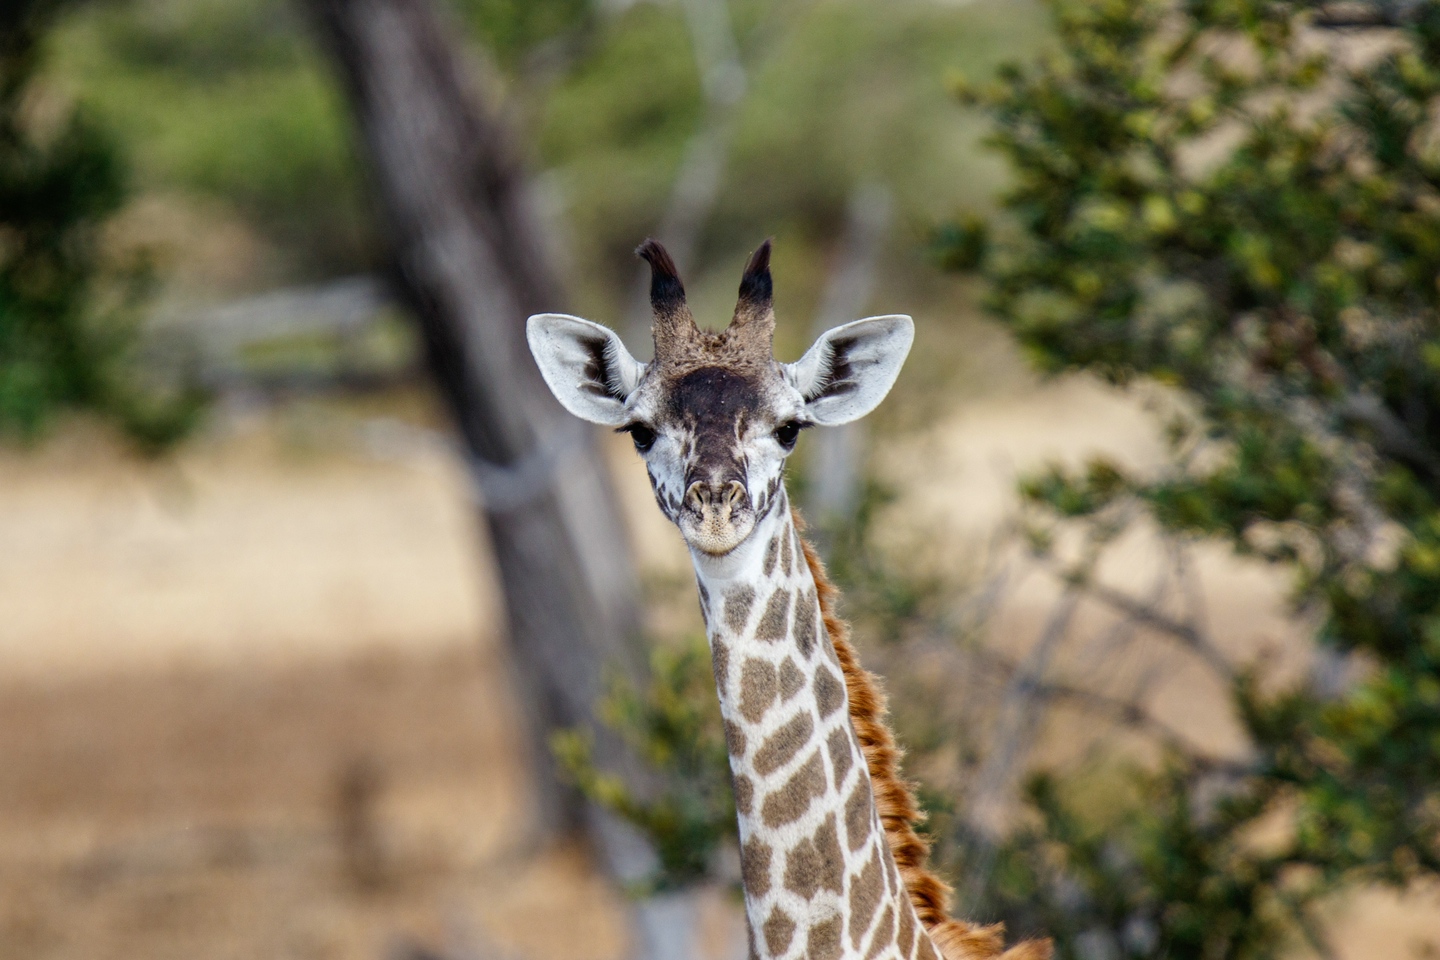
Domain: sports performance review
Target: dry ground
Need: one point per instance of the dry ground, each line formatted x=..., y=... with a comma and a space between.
x=316, y=810
x=252, y=704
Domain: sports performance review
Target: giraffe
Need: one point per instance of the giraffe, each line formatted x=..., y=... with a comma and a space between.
x=831, y=866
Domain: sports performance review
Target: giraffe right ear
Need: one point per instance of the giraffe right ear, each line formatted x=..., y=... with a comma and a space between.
x=851, y=368
x=585, y=365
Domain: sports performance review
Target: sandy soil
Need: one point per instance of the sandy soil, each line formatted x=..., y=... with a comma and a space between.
x=249, y=547
x=333, y=809
x=253, y=703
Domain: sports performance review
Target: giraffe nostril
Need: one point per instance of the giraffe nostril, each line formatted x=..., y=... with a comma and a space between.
x=700, y=494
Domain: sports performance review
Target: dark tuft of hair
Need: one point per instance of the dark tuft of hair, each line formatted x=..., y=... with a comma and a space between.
x=755, y=284
x=667, y=293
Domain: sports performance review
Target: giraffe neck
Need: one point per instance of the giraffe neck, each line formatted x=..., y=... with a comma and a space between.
x=819, y=877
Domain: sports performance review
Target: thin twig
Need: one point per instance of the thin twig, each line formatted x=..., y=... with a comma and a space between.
x=1375, y=14
x=1014, y=729
x=1313, y=934
x=1132, y=715
x=1191, y=638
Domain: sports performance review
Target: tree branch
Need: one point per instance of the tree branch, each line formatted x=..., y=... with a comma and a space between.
x=1371, y=15
x=1189, y=636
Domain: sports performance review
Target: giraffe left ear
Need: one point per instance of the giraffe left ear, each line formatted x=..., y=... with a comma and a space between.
x=851, y=368
x=585, y=365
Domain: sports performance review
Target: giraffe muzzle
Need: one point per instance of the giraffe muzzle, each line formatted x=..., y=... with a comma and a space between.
x=716, y=517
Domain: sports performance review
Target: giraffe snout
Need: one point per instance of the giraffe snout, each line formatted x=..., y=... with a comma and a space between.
x=717, y=515
x=705, y=496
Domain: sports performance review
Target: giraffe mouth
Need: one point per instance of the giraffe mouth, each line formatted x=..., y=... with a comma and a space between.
x=716, y=530
x=716, y=539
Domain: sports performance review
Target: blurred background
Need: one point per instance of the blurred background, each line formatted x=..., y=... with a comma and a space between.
x=280, y=492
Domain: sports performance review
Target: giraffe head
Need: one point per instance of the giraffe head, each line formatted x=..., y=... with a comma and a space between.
x=714, y=415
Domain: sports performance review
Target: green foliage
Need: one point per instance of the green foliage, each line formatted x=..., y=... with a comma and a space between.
x=837, y=94
x=227, y=100
x=615, y=130
x=1209, y=196
x=674, y=727
x=887, y=601
x=62, y=346
x=1164, y=874
x=511, y=29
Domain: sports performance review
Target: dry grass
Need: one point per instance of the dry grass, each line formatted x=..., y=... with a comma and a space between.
x=251, y=705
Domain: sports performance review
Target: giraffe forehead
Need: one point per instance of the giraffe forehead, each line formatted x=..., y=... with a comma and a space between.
x=714, y=399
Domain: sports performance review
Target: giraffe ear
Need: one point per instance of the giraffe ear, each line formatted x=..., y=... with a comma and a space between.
x=851, y=368
x=585, y=365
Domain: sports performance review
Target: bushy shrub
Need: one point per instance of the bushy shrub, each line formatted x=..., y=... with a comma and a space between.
x=66, y=324
x=1240, y=200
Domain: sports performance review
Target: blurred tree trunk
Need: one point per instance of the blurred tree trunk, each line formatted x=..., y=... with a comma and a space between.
x=469, y=260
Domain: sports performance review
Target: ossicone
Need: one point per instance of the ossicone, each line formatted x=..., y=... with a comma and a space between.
x=757, y=290
x=667, y=293
x=672, y=323
x=753, y=326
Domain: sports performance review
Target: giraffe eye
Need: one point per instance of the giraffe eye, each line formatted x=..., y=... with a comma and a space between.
x=787, y=433
x=643, y=436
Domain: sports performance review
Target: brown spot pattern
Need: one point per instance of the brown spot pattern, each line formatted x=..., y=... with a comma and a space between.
x=926, y=951
x=791, y=679
x=906, y=937
x=823, y=942
x=784, y=744
x=884, y=933
x=829, y=692
x=744, y=793
x=840, y=759
x=804, y=631
x=779, y=929
x=776, y=619
x=734, y=739
x=864, y=898
x=787, y=555
x=720, y=662
x=757, y=689
x=815, y=863
x=857, y=816
x=737, y=607
x=789, y=803
x=770, y=554
x=755, y=867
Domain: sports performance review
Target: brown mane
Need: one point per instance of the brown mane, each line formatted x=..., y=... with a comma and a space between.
x=895, y=801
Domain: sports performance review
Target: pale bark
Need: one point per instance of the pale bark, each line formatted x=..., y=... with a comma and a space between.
x=469, y=262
